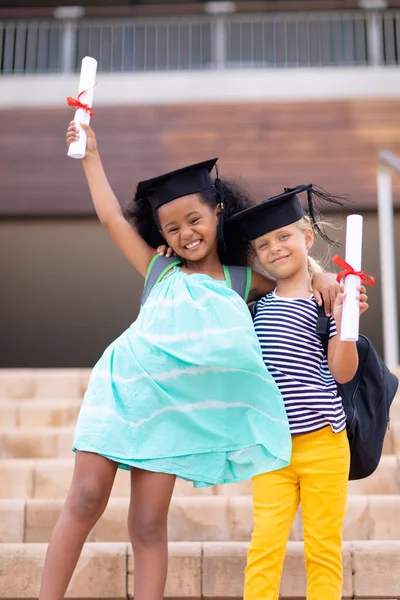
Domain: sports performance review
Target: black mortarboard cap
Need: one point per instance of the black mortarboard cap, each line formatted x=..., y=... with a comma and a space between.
x=270, y=214
x=182, y=182
x=282, y=210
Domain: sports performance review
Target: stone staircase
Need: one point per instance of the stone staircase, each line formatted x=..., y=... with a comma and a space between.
x=209, y=529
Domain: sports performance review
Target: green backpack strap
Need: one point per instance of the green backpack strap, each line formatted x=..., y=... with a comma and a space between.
x=157, y=269
x=239, y=280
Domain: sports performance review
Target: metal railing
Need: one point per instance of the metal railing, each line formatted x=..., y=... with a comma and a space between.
x=210, y=41
x=388, y=163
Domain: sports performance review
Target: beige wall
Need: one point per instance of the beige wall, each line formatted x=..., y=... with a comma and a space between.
x=66, y=291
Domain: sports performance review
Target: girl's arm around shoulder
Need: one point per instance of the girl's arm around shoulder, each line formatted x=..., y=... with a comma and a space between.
x=260, y=286
x=108, y=209
x=343, y=356
x=325, y=289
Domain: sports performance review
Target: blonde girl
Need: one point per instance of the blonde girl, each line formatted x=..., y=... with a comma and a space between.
x=285, y=322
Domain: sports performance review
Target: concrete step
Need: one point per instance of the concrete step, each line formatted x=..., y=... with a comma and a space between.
x=51, y=478
x=195, y=519
x=22, y=384
x=38, y=413
x=198, y=570
x=56, y=442
x=61, y=412
x=36, y=442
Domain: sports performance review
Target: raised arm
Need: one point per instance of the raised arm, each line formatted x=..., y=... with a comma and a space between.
x=107, y=207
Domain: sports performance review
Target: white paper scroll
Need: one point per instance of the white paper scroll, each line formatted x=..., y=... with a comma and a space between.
x=86, y=84
x=351, y=306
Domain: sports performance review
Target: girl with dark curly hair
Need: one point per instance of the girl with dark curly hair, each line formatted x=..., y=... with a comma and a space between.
x=183, y=392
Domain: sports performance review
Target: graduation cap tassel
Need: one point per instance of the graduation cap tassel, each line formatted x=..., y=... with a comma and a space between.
x=317, y=196
x=313, y=218
x=220, y=230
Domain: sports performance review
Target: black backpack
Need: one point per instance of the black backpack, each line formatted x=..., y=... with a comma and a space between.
x=238, y=278
x=366, y=400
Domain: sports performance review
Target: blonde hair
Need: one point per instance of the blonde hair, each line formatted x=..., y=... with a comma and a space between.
x=313, y=265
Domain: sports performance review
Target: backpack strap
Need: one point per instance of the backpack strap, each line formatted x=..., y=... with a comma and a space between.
x=157, y=269
x=239, y=280
x=322, y=328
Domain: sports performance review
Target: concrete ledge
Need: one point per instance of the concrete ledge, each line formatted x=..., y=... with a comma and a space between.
x=223, y=566
x=210, y=85
x=56, y=442
x=184, y=578
x=208, y=570
x=35, y=442
x=395, y=437
x=17, y=478
x=376, y=565
x=12, y=521
x=22, y=384
x=39, y=413
x=385, y=480
x=195, y=519
x=51, y=478
x=101, y=571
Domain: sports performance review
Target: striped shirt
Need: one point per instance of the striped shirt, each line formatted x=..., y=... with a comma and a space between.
x=294, y=355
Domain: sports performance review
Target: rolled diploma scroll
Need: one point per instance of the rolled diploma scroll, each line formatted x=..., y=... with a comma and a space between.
x=351, y=306
x=87, y=82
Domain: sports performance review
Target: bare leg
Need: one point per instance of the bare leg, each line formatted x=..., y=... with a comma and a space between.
x=87, y=498
x=147, y=524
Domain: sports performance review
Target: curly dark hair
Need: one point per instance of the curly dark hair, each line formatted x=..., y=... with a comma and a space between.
x=235, y=251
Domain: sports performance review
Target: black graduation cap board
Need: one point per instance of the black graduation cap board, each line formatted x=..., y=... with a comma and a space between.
x=270, y=214
x=282, y=210
x=182, y=182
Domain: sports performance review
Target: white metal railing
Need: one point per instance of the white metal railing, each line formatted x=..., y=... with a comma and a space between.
x=388, y=163
x=201, y=42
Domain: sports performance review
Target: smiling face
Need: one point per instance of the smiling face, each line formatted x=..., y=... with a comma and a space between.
x=189, y=226
x=283, y=252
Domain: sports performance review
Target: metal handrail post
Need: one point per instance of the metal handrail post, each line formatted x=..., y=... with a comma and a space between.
x=69, y=16
x=387, y=163
x=219, y=40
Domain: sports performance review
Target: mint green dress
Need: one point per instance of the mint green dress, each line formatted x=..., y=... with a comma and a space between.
x=184, y=390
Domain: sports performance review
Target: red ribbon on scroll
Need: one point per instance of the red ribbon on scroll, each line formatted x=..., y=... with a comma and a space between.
x=348, y=270
x=78, y=104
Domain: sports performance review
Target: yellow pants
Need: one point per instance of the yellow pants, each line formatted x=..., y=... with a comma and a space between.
x=317, y=477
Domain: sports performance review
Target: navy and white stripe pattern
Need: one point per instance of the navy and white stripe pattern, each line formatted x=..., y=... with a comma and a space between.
x=293, y=354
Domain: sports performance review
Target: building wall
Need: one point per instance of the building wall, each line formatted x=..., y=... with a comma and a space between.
x=67, y=292
x=334, y=143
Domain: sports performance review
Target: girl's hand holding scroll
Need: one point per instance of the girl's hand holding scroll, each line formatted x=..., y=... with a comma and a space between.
x=338, y=306
x=73, y=136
